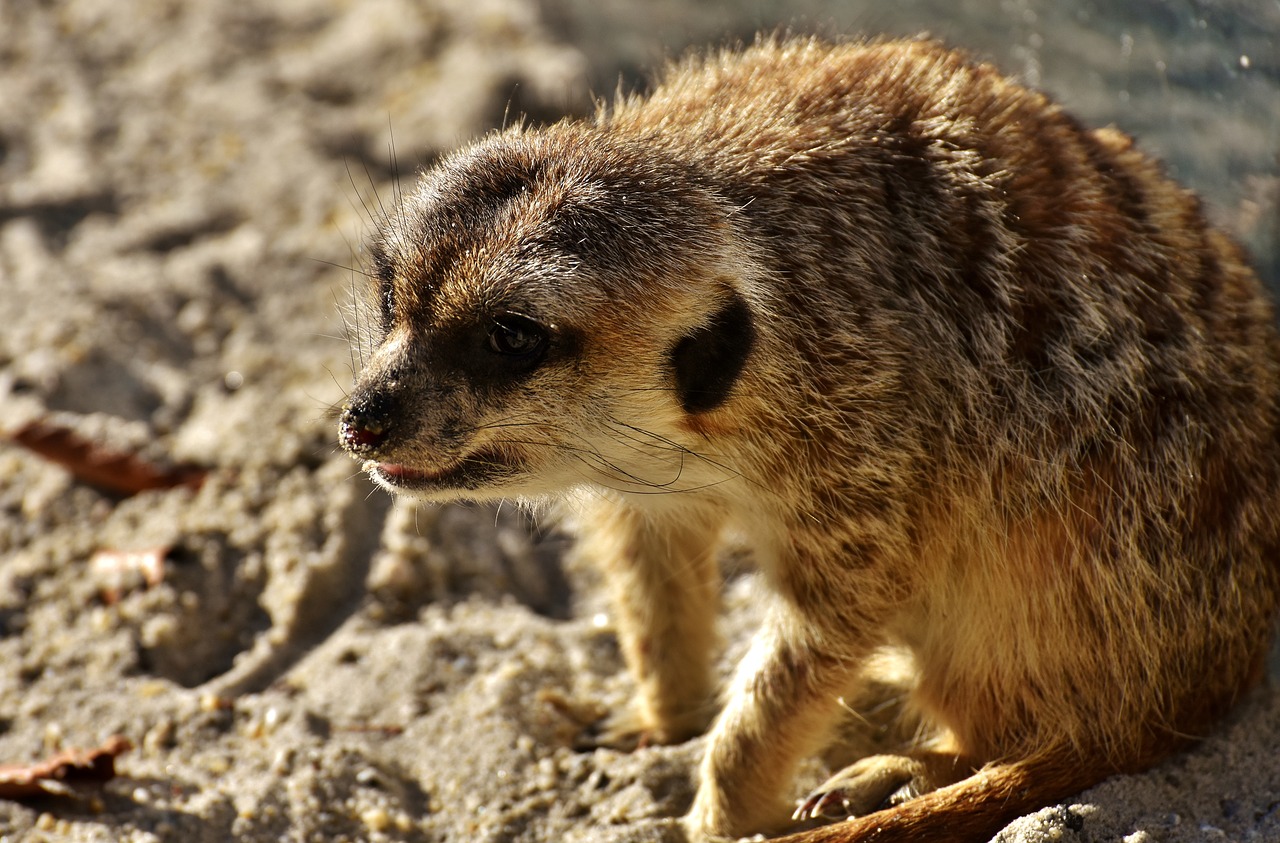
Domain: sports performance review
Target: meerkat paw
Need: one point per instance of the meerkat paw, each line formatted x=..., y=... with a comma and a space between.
x=869, y=785
x=698, y=827
x=693, y=833
x=625, y=731
x=719, y=815
x=629, y=730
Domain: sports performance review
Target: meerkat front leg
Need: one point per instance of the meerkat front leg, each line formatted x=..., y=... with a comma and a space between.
x=781, y=707
x=666, y=585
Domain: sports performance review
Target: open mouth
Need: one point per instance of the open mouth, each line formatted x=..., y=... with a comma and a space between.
x=470, y=472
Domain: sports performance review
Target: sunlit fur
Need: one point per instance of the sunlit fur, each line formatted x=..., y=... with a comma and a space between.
x=1012, y=407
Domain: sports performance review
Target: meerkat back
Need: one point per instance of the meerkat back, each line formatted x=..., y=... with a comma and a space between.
x=977, y=383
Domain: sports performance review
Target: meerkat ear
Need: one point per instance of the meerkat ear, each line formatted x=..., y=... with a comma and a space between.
x=708, y=361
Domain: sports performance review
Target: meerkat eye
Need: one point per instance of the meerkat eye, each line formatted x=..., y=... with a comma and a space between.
x=513, y=335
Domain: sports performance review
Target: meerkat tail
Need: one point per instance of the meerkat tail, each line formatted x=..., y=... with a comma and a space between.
x=972, y=810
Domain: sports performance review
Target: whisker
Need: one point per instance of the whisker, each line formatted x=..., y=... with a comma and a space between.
x=513, y=420
x=329, y=336
x=588, y=455
x=355, y=337
x=326, y=451
x=396, y=193
x=500, y=425
x=362, y=335
x=336, y=265
x=683, y=450
x=377, y=197
x=368, y=212
x=352, y=337
x=592, y=457
x=690, y=489
x=634, y=389
x=337, y=383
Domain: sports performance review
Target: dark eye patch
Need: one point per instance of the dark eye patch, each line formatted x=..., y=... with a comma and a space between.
x=499, y=351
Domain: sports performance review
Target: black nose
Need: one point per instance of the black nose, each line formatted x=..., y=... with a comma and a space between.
x=366, y=423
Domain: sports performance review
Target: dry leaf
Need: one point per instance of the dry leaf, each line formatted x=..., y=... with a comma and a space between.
x=112, y=471
x=51, y=776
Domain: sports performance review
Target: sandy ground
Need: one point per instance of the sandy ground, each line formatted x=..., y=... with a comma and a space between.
x=181, y=185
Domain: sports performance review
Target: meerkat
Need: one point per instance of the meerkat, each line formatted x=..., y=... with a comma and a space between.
x=975, y=383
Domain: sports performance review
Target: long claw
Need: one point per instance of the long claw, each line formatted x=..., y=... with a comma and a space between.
x=823, y=805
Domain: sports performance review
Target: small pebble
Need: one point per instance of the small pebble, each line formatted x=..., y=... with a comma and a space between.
x=376, y=819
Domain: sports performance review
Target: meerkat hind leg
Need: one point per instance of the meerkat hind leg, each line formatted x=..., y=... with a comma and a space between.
x=888, y=750
x=881, y=716
x=881, y=781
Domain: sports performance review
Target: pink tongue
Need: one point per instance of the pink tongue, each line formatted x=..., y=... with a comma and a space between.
x=400, y=470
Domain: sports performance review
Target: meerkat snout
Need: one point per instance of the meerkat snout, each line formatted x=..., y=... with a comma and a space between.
x=367, y=421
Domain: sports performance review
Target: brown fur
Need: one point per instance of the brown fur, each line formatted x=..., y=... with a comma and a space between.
x=975, y=382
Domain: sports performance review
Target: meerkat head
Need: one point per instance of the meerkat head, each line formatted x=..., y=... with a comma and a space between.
x=552, y=311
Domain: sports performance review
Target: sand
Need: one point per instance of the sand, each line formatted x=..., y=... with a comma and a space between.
x=184, y=188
